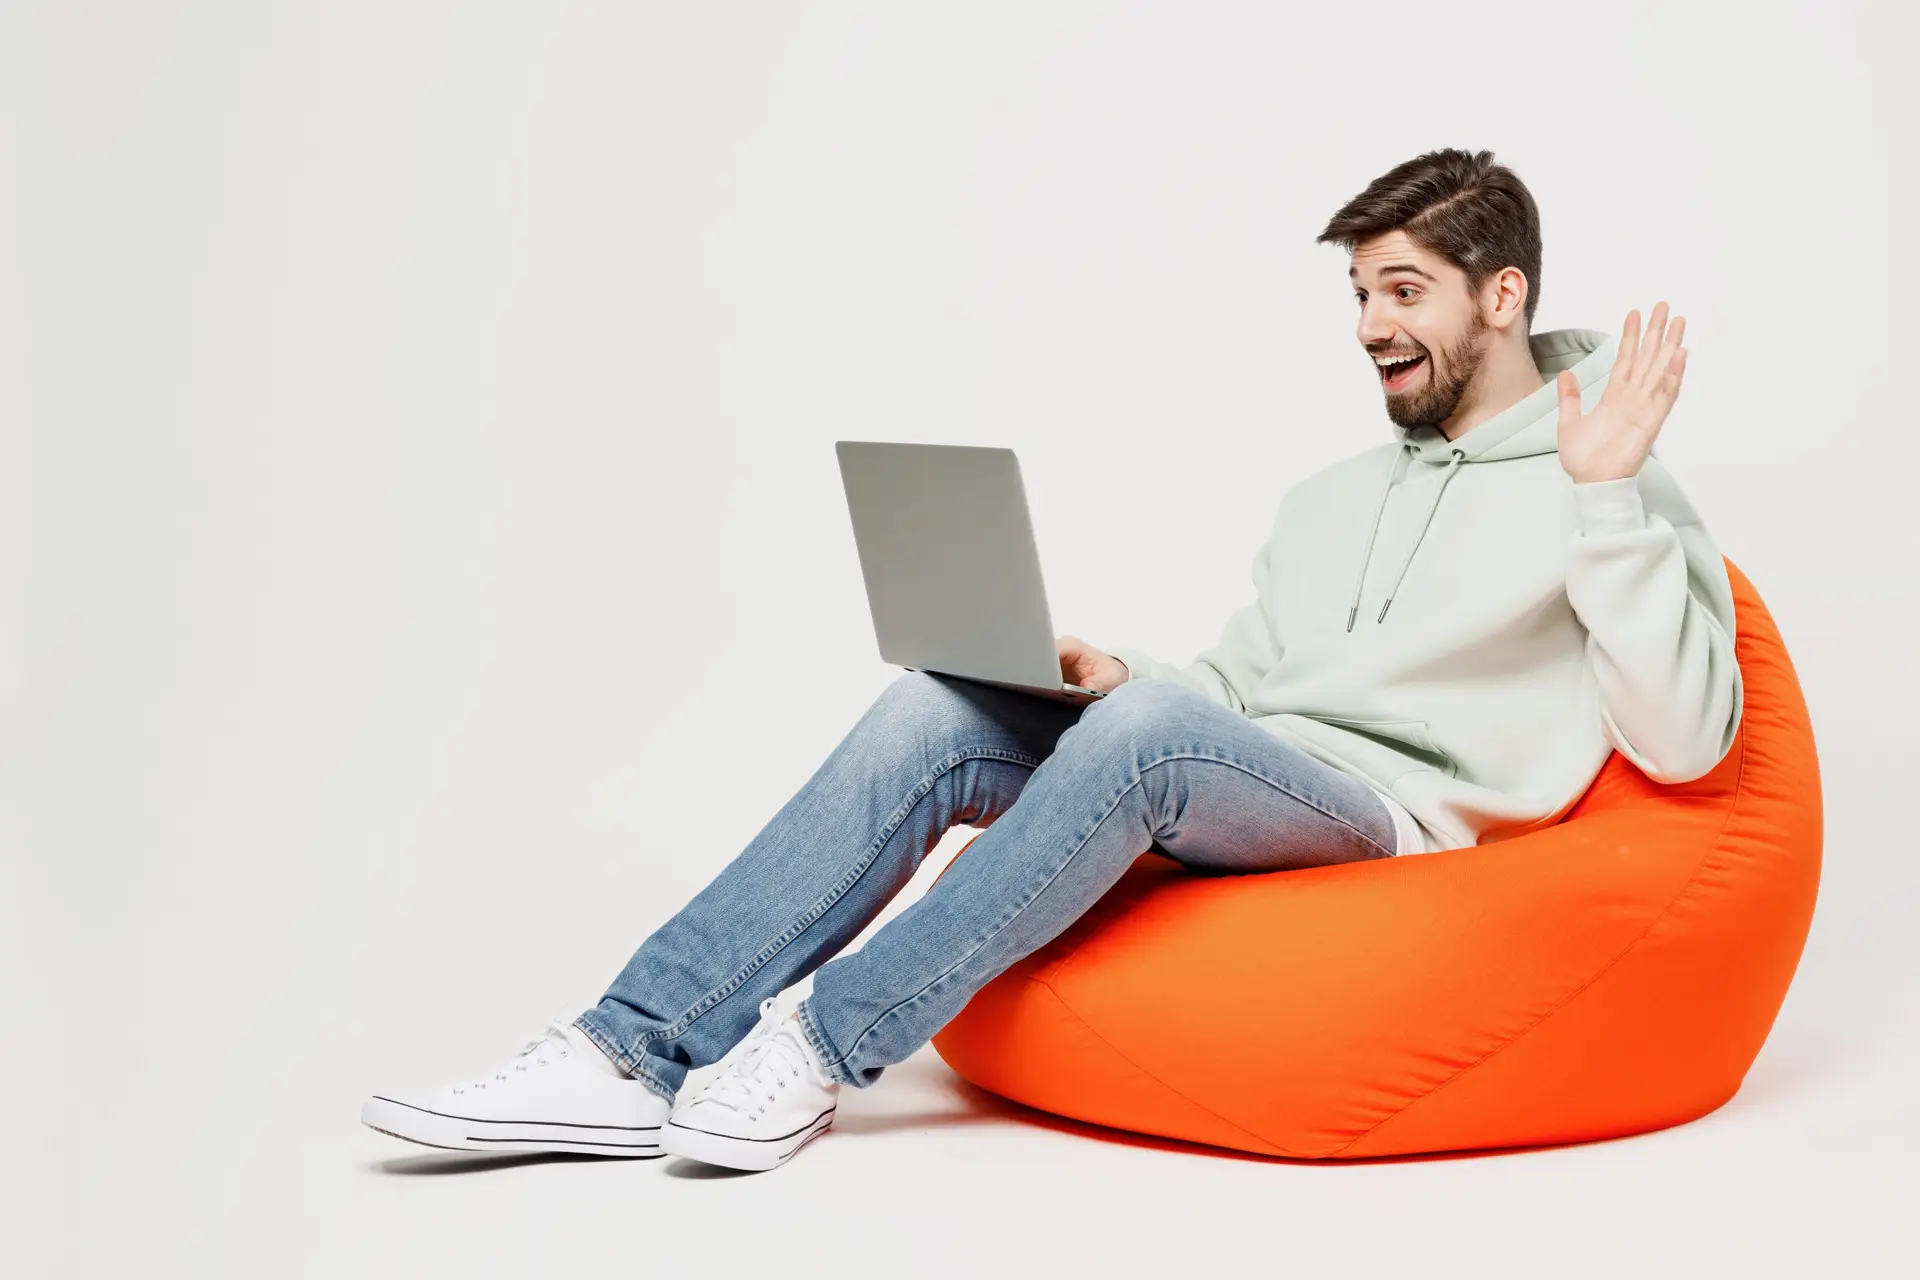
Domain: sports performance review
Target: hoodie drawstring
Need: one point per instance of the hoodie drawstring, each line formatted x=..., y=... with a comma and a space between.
x=1393, y=477
x=1366, y=557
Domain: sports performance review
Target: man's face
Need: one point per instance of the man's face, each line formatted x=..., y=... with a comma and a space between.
x=1413, y=303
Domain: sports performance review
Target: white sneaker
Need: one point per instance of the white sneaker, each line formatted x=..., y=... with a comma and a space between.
x=553, y=1097
x=763, y=1106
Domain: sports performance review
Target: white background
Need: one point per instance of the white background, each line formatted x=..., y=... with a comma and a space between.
x=423, y=564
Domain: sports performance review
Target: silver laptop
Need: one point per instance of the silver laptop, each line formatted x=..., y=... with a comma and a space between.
x=953, y=577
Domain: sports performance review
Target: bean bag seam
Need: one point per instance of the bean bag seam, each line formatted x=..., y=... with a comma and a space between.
x=1120, y=1054
x=1692, y=879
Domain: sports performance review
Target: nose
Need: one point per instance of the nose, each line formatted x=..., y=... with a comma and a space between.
x=1374, y=330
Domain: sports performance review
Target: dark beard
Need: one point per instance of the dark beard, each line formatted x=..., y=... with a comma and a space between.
x=1446, y=384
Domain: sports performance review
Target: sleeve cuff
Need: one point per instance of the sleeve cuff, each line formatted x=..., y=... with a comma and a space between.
x=1608, y=506
x=1133, y=660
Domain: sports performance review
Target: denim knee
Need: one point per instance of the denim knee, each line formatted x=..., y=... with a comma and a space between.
x=1140, y=714
x=918, y=704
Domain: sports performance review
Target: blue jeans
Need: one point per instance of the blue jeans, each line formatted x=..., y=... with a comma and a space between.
x=1067, y=798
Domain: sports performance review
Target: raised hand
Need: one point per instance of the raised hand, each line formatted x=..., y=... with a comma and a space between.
x=1613, y=440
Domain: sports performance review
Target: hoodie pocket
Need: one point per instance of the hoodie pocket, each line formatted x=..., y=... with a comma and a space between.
x=1407, y=736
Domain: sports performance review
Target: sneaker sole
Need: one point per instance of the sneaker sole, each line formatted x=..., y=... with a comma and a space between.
x=463, y=1133
x=753, y=1154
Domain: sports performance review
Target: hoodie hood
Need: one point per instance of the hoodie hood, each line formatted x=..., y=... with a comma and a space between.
x=1529, y=426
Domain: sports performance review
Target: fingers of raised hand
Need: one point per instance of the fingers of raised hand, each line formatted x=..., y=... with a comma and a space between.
x=1676, y=370
x=1629, y=342
x=1648, y=344
x=1655, y=356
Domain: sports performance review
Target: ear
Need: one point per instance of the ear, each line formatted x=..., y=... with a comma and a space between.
x=1506, y=296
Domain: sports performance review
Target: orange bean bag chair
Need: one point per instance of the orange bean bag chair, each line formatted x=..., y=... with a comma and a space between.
x=1614, y=973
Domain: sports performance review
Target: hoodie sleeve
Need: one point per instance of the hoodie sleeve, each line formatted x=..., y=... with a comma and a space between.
x=1229, y=671
x=1651, y=590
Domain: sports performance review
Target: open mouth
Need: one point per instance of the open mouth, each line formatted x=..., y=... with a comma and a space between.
x=1397, y=375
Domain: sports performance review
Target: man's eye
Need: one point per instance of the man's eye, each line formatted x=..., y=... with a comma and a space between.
x=1404, y=290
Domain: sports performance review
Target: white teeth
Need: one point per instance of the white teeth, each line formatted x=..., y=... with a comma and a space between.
x=1390, y=360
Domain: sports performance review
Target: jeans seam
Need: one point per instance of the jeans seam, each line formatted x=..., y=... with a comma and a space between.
x=821, y=906
x=1277, y=785
x=823, y=1046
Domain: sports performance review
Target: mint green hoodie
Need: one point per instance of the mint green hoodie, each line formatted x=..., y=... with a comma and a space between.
x=1472, y=632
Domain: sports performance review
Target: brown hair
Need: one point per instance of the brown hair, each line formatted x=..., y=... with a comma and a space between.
x=1474, y=213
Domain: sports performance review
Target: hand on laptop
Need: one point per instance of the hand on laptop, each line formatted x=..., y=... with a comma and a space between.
x=1088, y=667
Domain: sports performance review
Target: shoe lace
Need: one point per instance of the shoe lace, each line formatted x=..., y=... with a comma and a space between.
x=534, y=1053
x=773, y=1055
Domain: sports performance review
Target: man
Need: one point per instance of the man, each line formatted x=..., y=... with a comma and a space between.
x=1545, y=592
x=1450, y=634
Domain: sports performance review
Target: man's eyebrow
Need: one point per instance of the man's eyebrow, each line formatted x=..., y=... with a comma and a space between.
x=1353, y=273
